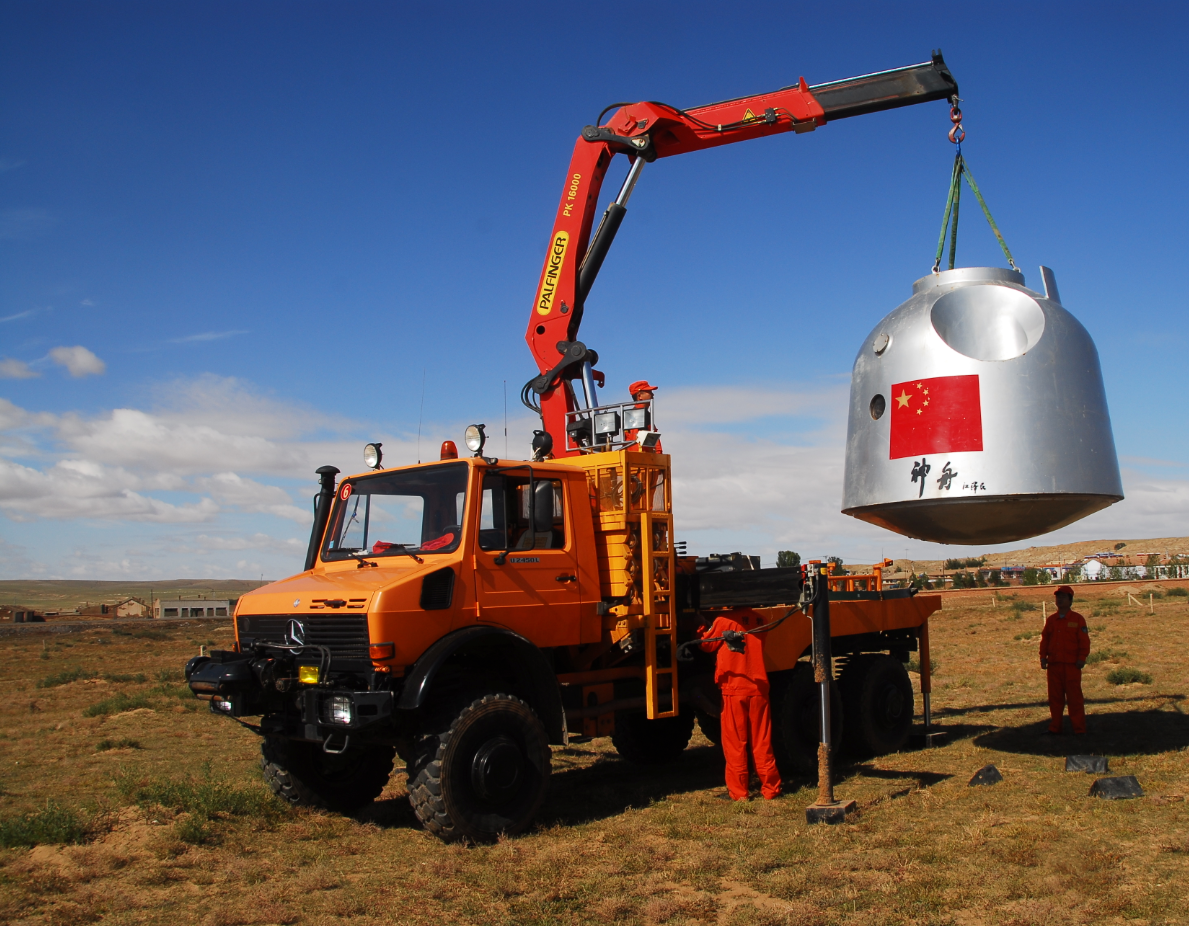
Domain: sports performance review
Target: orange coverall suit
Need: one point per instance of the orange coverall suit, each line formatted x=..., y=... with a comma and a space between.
x=1065, y=642
x=746, y=714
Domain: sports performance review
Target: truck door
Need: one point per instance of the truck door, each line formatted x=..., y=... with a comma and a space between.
x=526, y=566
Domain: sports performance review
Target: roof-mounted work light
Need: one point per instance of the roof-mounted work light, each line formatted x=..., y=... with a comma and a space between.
x=474, y=438
x=372, y=455
x=635, y=418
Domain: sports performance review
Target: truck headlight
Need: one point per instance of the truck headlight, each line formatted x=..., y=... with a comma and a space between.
x=372, y=455
x=337, y=709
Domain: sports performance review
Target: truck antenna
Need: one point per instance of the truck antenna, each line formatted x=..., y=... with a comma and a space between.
x=420, y=415
x=505, y=418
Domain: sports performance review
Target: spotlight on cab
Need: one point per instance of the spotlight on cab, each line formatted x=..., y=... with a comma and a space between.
x=372, y=455
x=474, y=438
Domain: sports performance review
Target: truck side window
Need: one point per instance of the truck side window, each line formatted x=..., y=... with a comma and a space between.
x=506, y=515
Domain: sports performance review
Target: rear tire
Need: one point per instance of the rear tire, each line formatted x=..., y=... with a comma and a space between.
x=302, y=775
x=651, y=742
x=796, y=724
x=485, y=774
x=877, y=697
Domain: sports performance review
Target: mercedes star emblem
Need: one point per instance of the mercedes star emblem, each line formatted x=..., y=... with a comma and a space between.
x=296, y=633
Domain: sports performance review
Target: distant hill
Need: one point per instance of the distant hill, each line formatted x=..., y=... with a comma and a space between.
x=68, y=594
x=1039, y=556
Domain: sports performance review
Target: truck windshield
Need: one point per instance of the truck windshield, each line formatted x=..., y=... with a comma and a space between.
x=416, y=511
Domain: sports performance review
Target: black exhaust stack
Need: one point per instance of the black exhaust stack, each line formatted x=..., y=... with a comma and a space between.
x=321, y=512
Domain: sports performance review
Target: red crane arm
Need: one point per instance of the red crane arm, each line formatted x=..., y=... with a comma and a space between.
x=647, y=131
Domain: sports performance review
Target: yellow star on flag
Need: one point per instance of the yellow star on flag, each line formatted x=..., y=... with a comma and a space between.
x=902, y=399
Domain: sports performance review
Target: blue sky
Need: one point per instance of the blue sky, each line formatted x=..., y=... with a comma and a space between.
x=236, y=237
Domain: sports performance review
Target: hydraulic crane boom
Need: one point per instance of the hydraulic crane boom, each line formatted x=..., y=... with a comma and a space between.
x=647, y=131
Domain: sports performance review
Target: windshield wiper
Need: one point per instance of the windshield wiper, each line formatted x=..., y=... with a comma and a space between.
x=396, y=547
x=359, y=556
x=404, y=548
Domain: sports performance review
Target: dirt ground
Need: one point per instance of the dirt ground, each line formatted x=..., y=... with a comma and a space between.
x=166, y=818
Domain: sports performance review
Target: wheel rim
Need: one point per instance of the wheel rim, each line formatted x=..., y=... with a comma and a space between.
x=893, y=706
x=497, y=770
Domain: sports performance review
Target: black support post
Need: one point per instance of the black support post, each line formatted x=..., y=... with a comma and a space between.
x=826, y=809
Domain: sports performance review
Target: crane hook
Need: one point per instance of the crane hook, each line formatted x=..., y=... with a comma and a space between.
x=957, y=134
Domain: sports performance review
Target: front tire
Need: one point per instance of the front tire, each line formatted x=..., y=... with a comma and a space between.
x=302, y=775
x=485, y=774
x=651, y=742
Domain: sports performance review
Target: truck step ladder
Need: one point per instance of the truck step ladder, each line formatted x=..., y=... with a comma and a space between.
x=658, y=565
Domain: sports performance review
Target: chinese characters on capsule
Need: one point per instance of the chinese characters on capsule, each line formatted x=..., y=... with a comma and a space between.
x=946, y=481
x=920, y=471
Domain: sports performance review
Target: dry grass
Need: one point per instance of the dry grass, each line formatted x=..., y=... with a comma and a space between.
x=177, y=827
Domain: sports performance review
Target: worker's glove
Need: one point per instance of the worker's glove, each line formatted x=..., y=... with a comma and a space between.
x=1081, y=665
x=734, y=640
x=1044, y=663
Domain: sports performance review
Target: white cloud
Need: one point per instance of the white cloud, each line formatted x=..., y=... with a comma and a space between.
x=256, y=497
x=13, y=318
x=78, y=360
x=83, y=489
x=207, y=336
x=16, y=369
x=756, y=469
x=292, y=546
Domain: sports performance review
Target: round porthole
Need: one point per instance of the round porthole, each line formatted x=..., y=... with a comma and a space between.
x=878, y=406
x=988, y=322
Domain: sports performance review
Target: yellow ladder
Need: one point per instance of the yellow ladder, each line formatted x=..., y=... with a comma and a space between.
x=658, y=566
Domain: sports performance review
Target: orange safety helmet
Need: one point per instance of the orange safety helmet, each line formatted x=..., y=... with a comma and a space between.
x=640, y=385
x=449, y=451
x=1063, y=590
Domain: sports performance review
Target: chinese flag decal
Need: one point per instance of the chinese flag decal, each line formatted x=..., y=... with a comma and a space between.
x=939, y=415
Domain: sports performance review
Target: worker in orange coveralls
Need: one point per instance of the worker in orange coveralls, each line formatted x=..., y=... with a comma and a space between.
x=642, y=391
x=746, y=715
x=1064, y=646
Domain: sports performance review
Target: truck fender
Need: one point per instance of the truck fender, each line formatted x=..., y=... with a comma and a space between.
x=514, y=651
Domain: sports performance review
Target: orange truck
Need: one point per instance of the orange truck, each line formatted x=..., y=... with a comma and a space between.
x=468, y=614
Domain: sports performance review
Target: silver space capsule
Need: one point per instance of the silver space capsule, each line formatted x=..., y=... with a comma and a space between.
x=978, y=414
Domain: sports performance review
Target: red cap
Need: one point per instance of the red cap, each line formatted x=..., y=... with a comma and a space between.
x=449, y=451
x=641, y=385
x=1063, y=590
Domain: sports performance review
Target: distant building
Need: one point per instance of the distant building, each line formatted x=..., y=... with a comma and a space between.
x=191, y=607
x=19, y=614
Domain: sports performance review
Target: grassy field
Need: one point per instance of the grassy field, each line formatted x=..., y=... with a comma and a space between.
x=122, y=801
x=67, y=594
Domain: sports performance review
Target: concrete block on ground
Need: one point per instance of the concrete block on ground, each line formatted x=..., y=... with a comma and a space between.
x=830, y=813
x=1116, y=789
x=1096, y=764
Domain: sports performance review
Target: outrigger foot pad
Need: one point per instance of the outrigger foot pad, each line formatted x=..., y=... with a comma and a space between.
x=836, y=812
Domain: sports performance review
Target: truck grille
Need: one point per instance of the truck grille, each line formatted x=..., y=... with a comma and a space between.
x=345, y=635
